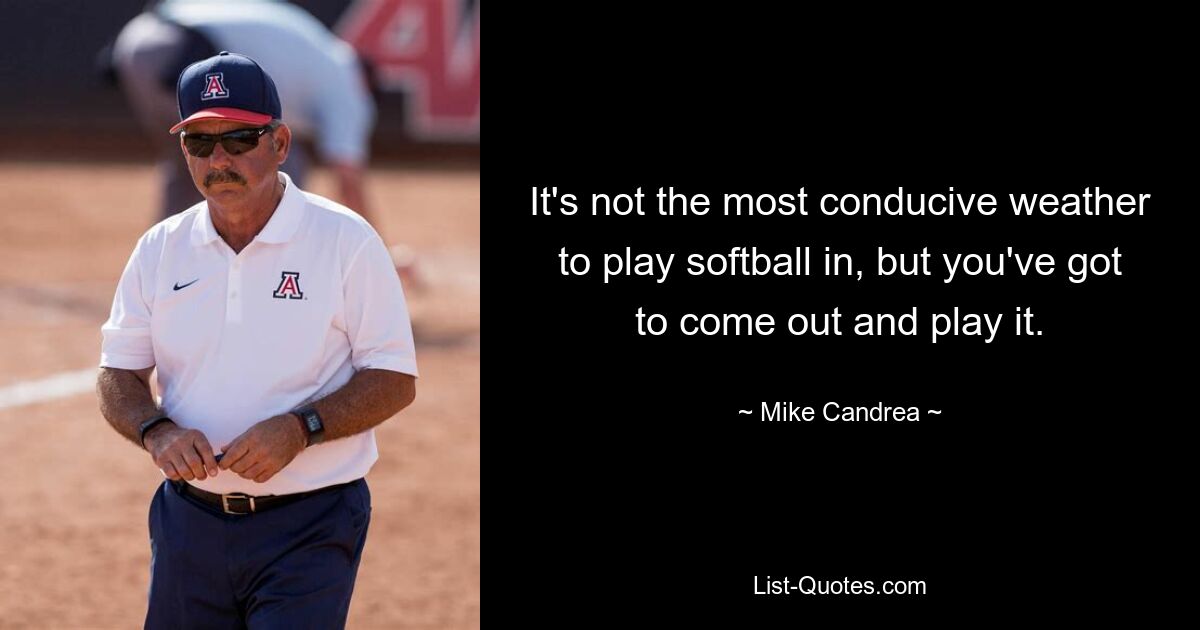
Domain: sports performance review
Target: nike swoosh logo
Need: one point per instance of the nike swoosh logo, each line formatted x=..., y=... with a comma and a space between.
x=184, y=286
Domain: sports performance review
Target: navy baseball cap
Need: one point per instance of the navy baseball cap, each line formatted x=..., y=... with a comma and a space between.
x=227, y=86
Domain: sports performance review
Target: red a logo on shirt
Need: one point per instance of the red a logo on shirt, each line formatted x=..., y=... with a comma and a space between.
x=215, y=87
x=289, y=286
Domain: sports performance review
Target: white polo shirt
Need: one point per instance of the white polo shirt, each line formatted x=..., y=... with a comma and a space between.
x=239, y=338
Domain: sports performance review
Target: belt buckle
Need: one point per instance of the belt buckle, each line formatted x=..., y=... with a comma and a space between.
x=237, y=495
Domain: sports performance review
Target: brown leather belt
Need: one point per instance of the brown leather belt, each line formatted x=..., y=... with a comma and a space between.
x=238, y=503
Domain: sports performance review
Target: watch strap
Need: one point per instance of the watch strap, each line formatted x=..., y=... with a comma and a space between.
x=313, y=424
x=145, y=427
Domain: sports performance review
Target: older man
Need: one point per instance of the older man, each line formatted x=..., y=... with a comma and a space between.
x=281, y=337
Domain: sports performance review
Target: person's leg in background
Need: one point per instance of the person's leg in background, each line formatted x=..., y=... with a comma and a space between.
x=298, y=162
x=146, y=52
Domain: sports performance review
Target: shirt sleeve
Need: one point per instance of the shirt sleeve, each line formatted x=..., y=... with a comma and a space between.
x=126, y=335
x=377, y=321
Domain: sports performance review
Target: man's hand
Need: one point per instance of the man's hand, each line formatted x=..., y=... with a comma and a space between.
x=265, y=448
x=181, y=453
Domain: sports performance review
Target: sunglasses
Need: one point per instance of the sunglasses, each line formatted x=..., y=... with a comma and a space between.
x=234, y=142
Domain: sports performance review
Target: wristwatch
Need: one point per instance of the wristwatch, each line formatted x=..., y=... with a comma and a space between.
x=150, y=424
x=311, y=420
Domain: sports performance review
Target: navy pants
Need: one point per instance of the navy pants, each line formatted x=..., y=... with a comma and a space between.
x=288, y=567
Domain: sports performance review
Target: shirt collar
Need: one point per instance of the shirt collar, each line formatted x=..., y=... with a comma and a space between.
x=279, y=228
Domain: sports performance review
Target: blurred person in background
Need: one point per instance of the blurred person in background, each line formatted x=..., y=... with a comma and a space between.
x=320, y=78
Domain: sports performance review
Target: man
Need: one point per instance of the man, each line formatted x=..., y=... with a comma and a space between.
x=281, y=337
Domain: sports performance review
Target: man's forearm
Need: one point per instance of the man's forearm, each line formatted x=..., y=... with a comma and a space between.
x=366, y=400
x=125, y=400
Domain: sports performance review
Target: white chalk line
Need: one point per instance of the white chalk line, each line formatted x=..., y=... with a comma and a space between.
x=61, y=385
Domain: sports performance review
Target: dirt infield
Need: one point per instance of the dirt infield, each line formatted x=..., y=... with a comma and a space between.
x=74, y=547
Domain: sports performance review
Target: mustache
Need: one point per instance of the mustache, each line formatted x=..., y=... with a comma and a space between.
x=223, y=177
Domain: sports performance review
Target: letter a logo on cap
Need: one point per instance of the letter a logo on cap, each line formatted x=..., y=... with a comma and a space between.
x=214, y=87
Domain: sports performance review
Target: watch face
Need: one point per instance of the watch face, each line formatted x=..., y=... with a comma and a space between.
x=312, y=422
